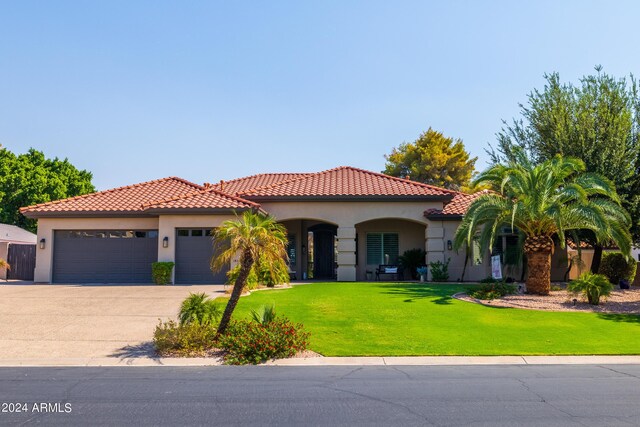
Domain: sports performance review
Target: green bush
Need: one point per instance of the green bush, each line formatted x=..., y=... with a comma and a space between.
x=247, y=342
x=492, y=290
x=261, y=274
x=440, y=271
x=198, y=308
x=267, y=277
x=252, y=279
x=412, y=259
x=592, y=286
x=616, y=267
x=490, y=279
x=266, y=314
x=161, y=272
x=192, y=339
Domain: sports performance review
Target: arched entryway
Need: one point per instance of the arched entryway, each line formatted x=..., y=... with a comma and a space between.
x=312, y=249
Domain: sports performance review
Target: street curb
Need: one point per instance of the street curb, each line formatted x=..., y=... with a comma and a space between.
x=333, y=361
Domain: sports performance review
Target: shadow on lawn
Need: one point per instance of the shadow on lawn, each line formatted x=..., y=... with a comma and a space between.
x=441, y=294
x=617, y=317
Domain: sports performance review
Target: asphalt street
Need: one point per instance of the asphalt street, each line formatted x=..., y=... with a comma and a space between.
x=580, y=395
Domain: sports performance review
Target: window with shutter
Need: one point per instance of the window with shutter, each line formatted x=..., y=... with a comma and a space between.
x=381, y=244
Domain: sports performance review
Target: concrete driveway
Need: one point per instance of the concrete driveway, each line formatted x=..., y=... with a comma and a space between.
x=85, y=321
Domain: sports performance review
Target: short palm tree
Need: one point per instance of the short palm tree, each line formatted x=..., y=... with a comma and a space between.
x=551, y=198
x=4, y=264
x=252, y=237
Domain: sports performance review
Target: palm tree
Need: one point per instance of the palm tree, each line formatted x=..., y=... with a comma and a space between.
x=4, y=264
x=253, y=237
x=541, y=201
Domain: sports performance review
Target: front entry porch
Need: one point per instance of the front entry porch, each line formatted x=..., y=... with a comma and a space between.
x=319, y=250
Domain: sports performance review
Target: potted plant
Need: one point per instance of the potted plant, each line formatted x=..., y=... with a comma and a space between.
x=422, y=271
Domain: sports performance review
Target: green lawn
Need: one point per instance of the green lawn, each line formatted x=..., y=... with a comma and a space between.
x=396, y=319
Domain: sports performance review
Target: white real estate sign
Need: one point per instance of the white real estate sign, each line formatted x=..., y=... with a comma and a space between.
x=496, y=267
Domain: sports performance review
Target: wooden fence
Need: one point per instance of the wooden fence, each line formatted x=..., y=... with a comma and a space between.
x=22, y=259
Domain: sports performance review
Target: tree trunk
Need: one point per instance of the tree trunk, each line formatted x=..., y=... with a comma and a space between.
x=597, y=257
x=246, y=262
x=464, y=267
x=538, y=250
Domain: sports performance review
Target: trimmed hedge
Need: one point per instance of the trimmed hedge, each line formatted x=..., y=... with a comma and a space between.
x=161, y=272
x=616, y=267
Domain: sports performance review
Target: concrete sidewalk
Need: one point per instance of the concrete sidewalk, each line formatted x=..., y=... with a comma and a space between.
x=336, y=361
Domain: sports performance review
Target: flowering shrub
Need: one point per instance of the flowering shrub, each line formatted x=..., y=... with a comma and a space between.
x=191, y=339
x=247, y=342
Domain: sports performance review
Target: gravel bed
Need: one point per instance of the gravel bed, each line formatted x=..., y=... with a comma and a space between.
x=620, y=301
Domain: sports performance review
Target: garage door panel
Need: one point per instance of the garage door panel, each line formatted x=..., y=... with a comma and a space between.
x=91, y=259
x=194, y=251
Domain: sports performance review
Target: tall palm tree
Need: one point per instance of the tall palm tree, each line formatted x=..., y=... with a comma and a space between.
x=541, y=201
x=253, y=237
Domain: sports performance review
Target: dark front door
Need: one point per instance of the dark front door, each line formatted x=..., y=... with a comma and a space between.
x=323, y=254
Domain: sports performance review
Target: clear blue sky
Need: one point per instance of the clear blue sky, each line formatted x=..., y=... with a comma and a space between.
x=134, y=90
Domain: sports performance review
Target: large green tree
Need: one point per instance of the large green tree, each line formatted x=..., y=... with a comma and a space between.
x=31, y=178
x=597, y=121
x=433, y=159
x=253, y=238
x=542, y=201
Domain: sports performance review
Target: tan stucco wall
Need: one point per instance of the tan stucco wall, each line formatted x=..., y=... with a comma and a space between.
x=349, y=213
x=472, y=273
x=46, y=227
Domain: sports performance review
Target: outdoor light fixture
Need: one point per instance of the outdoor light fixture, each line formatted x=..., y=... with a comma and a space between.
x=165, y=242
x=449, y=245
x=42, y=242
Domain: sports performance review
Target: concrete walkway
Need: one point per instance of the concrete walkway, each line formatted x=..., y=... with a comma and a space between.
x=54, y=324
x=336, y=361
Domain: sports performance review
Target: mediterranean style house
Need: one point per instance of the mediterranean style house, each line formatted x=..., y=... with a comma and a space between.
x=342, y=223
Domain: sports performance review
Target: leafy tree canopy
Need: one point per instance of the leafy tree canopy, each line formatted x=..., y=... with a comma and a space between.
x=597, y=121
x=31, y=178
x=433, y=159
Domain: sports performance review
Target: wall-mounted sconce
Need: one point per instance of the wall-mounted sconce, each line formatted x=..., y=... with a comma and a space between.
x=42, y=243
x=449, y=245
x=165, y=242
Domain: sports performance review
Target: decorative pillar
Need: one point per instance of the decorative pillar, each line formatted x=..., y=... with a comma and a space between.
x=434, y=245
x=346, y=254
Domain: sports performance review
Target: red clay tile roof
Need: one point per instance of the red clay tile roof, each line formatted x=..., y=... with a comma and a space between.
x=247, y=183
x=209, y=198
x=457, y=206
x=128, y=200
x=346, y=181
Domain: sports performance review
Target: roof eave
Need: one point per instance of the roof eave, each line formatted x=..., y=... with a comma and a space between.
x=347, y=198
x=198, y=211
x=444, y=217
x=84, y=214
